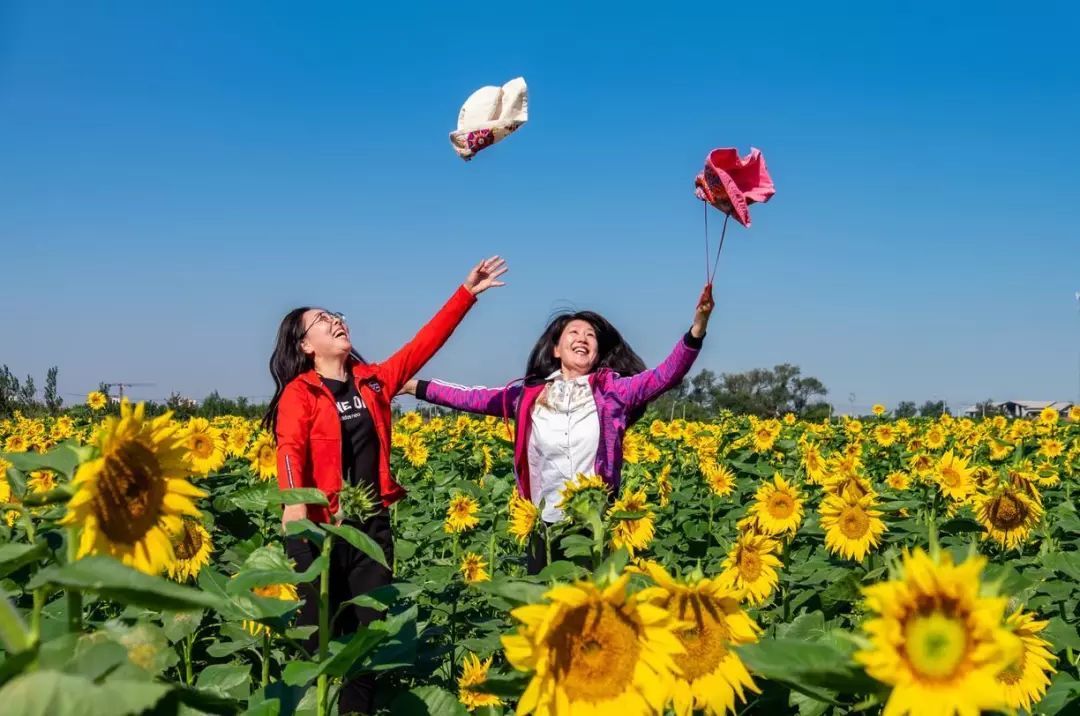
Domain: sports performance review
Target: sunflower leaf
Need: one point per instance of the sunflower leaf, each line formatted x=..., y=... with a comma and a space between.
x=298, y=496
x=52, y=693
x=64, y=459
x=513, y=590
x=359, y=540
x=427, y=701
x=505, y=686
x=113, y=580
x=14, y=556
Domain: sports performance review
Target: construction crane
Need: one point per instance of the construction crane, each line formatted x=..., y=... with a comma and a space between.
x=120, y=388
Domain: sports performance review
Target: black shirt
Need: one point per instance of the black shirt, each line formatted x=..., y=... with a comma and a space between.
x=359, y=444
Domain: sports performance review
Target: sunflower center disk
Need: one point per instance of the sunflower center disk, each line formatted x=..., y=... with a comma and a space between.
x=130, y=493
x=854, y=523
x=189, y=546
x=705, y=642
x=749, y=566
x=595, y=651
x=936, y=644
x=1007, y=513
x=781, y=506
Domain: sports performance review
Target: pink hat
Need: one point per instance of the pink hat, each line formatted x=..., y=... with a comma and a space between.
x=731, y=183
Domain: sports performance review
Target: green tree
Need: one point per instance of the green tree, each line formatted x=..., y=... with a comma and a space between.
x=53, y=401
x=906, y=409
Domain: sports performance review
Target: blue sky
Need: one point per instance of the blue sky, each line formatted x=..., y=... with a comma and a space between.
x=176, y=176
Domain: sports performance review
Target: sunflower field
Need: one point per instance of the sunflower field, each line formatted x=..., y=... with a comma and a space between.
x=872, y=565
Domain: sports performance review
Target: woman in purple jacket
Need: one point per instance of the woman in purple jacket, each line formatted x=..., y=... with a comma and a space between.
x=583, y=387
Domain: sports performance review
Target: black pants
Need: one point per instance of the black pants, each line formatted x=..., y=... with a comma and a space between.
x=536, y=558
x=352, y=573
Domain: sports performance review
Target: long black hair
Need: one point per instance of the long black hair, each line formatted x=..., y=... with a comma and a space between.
x=612, y=351
x=288, y=360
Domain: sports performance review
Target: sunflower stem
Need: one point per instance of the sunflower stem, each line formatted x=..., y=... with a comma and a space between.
x=28, y=523
x=189, y=644
x=35, y=615
x=547, y=542
x=709, y=534
x=266, y=660
x=453, y=635
x=74, y=596
x=324, y=626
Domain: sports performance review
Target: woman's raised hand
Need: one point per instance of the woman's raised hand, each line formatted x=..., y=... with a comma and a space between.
x=702, y=312
x=485, y=275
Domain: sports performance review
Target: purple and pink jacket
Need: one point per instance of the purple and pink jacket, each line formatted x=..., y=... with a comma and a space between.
x=617, y=399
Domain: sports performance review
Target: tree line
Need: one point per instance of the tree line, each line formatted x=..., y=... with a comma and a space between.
x=764, y=392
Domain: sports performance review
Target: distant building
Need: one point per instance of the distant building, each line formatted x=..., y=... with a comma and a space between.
x=1022, y=408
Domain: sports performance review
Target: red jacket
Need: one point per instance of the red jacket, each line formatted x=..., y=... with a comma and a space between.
x=309, y=428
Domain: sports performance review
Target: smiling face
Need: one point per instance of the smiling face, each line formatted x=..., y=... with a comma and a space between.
x=577, y=348
x=326, y=334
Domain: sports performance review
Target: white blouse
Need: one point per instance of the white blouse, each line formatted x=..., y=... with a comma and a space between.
x=563, y=441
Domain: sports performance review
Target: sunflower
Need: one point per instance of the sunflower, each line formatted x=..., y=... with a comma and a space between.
x=1048, y=416
x=632, y=449
x=592, y=486
x=852, y=526
x=1008, y=516
x=999, y=450
x=935, y=640
x=878, y=409
x=523, y=514
x=473, y=568
x=1051, y=448
x=652, y=453
x=594, y=650
x=192, y=548
x=1046, y=475
x=778, y=506
x=487, y=460
x=236, y=440
x=205, y=446
x=885, y=435
x=461, y=514
x=1074, y=414
x=96, y=400
x=263, y=457
x=935, y=438
x=41, y=481
x=954, y=477
x=764, y=434
x=664, y=487
x=63, y=428
x=712, y=675
x=410, y=421
x=1025, y=679
x=473, y=673
x=284, y=592
x=789, y=418
x=5, y=494
x=921, y=464
x=129, y=500
x=898, y=480
x=16, y=443
x=751, y=567
x=416, y=450
x=635, y=534
x=813, y=463
x=720, y=478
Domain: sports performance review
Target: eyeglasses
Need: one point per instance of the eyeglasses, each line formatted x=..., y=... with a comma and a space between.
x=328, y=317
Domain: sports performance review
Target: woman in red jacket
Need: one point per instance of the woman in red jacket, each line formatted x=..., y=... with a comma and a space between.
x=331, y=416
